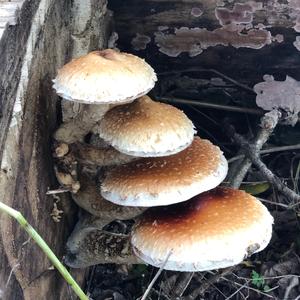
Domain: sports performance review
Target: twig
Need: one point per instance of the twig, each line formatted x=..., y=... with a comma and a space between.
x=196, y=69
x=265, y=151
x=57, y=191
x=46, y=249
x=181, y=284
x=202, y=103
x=10, y=274
x=156, y=276
x=268, y=124
x=252, y=151
x=237, y=291
x=248, y=287
x=204, y=286
x=274, y=203
x=90, y=279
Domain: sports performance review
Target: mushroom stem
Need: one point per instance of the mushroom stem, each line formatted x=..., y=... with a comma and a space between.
x=95, y=246
x=77, y=128
x=89, y=198
x=87, y=154
x=68, y=157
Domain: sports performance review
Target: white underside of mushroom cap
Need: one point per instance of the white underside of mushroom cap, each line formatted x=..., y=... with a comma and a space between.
x=209, y=254
x=171, y=195
x=158, y=153
x=114, y=98
x=146, y=128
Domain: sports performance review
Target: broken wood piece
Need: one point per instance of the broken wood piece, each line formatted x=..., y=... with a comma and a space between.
x=94, y=246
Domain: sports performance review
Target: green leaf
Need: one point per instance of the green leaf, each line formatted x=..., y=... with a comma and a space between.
x=257, y=280
x=255, y=189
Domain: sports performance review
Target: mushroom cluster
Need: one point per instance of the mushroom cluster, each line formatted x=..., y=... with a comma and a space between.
x=128, y=156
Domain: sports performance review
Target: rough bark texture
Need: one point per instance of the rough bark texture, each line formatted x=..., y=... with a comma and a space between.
x=243, y=39
x=87, y=17
x=32, y=46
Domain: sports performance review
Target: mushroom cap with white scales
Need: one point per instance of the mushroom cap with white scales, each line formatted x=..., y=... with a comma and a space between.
x=216, y=229
x=146, y=128
x=156, y=181
x=104, y=77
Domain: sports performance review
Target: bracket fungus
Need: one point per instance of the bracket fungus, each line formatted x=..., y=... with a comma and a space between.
x=166, y=180
x=216, y=229
x=282, y=95
x=146, y=128
x=195, y=40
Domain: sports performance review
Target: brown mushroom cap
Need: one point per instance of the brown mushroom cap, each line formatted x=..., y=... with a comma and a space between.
x=166, y=180
x=103, y=77
x=216, y=229
x=147, y=128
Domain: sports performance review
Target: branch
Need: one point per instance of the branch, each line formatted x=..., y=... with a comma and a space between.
x=204, y=286
x=268, y=123
x=270, y=150
x=201, y=103
x=252, y=152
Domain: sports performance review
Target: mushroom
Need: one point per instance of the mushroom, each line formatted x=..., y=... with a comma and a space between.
x=216, y=229
x=146, y=128
x=166, y=180
x=100, y=77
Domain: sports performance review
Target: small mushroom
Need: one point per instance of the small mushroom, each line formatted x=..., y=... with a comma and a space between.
x=166, y=180
x=146, y=128
x=216, y=229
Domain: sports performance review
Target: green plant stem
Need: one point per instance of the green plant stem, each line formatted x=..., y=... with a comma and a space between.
x=46, y=249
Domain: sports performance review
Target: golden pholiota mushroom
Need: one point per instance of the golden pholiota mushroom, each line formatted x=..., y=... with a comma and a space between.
x=104, y=77
x=165, y=180
x=147, y=128
x=213, y=230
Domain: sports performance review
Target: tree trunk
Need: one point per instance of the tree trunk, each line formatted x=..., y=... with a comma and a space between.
x=34, y=42
x=244, y=39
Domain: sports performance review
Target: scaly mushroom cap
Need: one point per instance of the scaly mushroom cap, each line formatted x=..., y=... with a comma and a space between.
x=166, y=180
x=103, y=77
x=147, y=128
x=216, y=229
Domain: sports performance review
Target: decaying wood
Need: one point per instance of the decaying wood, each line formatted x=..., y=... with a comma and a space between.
x=89, y=31
x=208, y=34
x=97, y=247
x=32, y=46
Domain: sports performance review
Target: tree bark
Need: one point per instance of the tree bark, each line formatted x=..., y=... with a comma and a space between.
x=34, y=43
x=241, y=39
